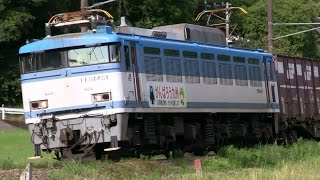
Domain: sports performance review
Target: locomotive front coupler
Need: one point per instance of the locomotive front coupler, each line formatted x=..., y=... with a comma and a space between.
x=47, y=125
x=109, y=120
x=43, y=130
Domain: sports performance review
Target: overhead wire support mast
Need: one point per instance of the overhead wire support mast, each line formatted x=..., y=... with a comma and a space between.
x=83, y=4
x=228, y=15
x=226, y=20
x=270, y=25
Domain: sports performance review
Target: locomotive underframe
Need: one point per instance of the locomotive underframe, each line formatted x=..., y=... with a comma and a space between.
x=149, y=134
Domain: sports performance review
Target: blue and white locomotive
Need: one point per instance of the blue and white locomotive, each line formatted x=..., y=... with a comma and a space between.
x=143, y=91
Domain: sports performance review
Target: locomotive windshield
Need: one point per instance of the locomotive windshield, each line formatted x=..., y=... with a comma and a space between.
x=50, y=60
x=93, y=55
x=41, y=61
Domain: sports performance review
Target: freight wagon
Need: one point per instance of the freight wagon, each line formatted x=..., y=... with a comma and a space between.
x=299, y=96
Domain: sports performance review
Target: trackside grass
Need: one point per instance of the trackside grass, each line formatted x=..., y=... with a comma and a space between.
x=270, y=155
x=14, y=147
x=298, y=161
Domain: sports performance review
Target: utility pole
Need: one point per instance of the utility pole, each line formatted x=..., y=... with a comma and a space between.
x=205, y=5
x=83, y=5
x=270, y=24
x=228, y=15
x=119, y=9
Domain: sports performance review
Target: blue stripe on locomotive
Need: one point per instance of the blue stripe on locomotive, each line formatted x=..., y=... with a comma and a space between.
x=71, y=72
x=145, y=104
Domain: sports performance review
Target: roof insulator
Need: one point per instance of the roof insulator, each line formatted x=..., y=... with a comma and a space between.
x=104, y=29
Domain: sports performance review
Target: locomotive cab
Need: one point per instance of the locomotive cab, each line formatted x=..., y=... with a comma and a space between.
x=71, y=80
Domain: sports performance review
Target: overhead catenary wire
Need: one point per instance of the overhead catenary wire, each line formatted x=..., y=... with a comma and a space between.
x=300, y=32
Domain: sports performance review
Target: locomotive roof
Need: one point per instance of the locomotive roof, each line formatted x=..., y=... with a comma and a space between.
x=69, y=40
x=105, y=35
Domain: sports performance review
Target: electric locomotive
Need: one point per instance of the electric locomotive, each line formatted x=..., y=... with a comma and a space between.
x=145, y=91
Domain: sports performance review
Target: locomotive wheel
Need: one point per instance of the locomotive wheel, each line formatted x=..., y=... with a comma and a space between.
x=199, y=152
x=137, y=154
x=99, y=155
x=283, y=138
x=114, y=157
x=167, y=154
x=177, y=153
x=292, y=137
x=57, y=155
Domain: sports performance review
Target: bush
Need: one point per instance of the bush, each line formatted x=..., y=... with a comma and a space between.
x=270, y=155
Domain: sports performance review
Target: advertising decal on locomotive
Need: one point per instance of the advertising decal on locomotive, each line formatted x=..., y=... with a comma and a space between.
x=162, y=95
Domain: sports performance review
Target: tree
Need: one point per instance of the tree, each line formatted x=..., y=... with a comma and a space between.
x=15, y=22
x=20, y=20
x=150, y=13
x=254, y=26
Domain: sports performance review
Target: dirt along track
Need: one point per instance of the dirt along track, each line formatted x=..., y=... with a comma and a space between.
x=37, y=174
x=12, y=124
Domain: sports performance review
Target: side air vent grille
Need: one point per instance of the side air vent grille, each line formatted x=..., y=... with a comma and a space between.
x=159, y=34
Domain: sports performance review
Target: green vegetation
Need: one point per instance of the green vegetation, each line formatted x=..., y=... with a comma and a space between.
x=15, y=145
x=271, y=155
x=254, y=27
x=298, y=161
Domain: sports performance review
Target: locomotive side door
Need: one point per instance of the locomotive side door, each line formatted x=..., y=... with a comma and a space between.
x=269, y=80
x=132, y=68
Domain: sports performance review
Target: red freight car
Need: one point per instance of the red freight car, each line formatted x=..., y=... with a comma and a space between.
x=299, y=94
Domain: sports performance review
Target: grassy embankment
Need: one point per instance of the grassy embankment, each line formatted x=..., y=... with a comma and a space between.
x=299, y=161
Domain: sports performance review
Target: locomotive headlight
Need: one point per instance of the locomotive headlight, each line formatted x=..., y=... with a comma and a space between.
x=42, y=104
x=101, y=97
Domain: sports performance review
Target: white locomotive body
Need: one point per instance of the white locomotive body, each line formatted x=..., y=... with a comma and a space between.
x=100, y=91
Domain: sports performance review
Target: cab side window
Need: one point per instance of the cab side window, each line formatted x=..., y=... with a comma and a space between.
x=127, y=58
